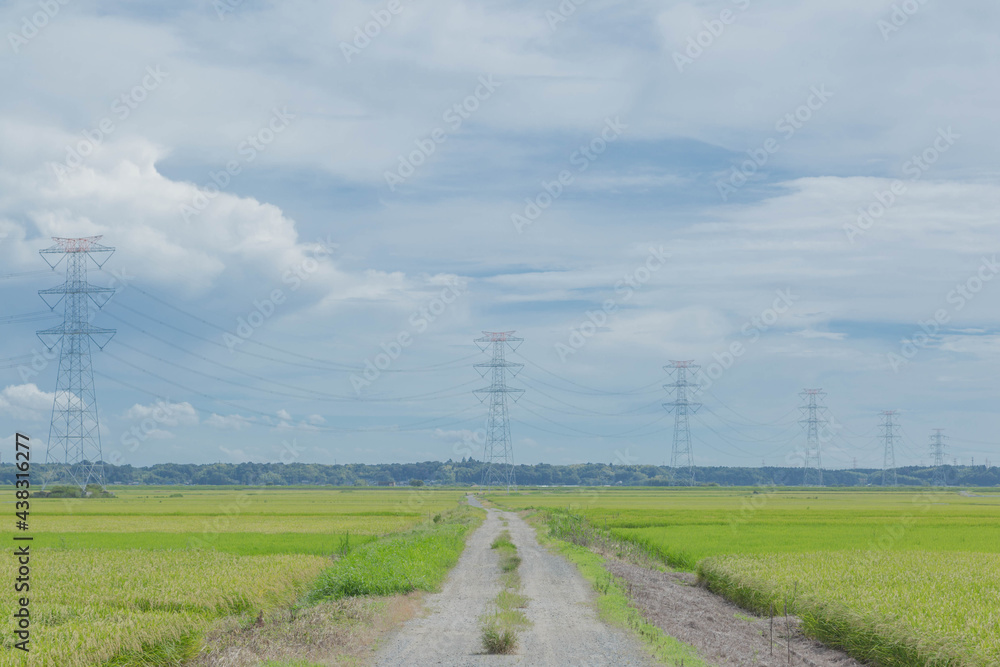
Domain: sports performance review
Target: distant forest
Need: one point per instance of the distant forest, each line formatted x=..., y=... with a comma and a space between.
x=469, y=471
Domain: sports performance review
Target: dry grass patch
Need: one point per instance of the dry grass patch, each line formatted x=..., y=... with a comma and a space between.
x=336, y=632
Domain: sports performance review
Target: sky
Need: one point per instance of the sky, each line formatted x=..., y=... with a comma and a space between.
x=318, y=207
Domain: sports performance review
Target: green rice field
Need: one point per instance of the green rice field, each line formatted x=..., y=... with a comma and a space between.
x=900, y=577
x=140, y=578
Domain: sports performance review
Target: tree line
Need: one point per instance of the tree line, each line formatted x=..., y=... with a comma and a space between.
x=469, y=471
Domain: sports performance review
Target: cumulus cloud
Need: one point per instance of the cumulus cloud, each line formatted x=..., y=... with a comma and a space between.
x=810, y=333
x=232, y=422
x=26, y=401
x=311, y=214
x=164, y=413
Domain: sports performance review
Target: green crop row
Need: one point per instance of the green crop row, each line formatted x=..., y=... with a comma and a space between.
x=902, y=609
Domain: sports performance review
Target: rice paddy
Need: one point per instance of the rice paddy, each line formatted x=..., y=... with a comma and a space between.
x=902, y=608
x=149, y=572
x=897, y=577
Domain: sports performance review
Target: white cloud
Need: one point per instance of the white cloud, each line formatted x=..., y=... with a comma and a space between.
x=26, y=401
x=232, y=422
x=164, y=413
x=237, y=455
x=811, y=333
x=324, y=177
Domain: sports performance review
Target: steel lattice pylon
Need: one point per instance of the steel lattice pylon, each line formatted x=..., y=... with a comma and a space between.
x=499, y=454
x=681, y=456
x=889, y=433
x=74, y=449
x=812, y=473
x=937, y=453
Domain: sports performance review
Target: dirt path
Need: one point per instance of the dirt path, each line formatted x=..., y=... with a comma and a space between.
x=565, y=628
x=724, y=634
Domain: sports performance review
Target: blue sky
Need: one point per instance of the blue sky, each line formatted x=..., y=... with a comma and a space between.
x=722, y=181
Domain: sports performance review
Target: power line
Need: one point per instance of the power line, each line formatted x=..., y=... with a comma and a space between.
x=737, y=425
x=599, y=392
x=25, y=274
x=582, y=409
x=591, y=434
x=358, y=369
x=316, y=360
x=312, y=427
x=747, y=420
x=27, y=317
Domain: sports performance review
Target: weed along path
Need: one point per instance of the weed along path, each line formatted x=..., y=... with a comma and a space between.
x=564, y=627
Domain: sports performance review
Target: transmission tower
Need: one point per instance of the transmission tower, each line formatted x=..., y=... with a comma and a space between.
x=937, y=455
x=889, y=433
x=74, y=449
x=814, y=420
x=499, y=455
x=681, y=455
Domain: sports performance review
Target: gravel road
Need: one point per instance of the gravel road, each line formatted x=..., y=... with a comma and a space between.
x=565, y=628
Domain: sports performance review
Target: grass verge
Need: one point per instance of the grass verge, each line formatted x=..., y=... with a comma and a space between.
x=613, y=603
x=351, y=604
x=416, y=560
